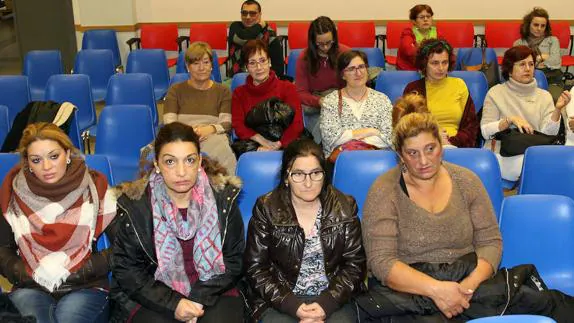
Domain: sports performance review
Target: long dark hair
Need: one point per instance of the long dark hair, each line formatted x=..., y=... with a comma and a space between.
x=320, y=26
x=300, y=148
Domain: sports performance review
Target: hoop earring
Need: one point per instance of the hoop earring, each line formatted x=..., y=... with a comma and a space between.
x=31, y=171
x=68, y=161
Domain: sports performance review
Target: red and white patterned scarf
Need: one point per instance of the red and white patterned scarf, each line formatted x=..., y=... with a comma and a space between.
x=169, y=226
x=54, y=231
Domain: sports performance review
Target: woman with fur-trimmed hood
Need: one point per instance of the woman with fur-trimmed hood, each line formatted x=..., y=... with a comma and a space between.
x=179, y=246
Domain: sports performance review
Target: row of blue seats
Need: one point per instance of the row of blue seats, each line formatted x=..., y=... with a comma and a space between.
x=119, y=139
x=134, y=88
x=532, y=225
x=546, y=169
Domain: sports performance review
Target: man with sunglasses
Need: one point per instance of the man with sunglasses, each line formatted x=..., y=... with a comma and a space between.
x=252, y=26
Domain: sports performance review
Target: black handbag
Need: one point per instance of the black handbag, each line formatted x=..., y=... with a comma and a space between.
x=490, y=70
x=513, y=142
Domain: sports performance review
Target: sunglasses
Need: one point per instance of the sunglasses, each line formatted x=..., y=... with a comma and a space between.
x=245, y=13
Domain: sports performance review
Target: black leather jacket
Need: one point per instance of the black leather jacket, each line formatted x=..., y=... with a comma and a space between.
x=275, y=245
x=135, y=261
x=516, y=290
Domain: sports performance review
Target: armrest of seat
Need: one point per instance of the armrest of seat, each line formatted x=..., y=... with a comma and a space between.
x=383, y=39
x=133, y=40
x=378, y=38
x=180, y=40
x=283, y=39
x=481, y=38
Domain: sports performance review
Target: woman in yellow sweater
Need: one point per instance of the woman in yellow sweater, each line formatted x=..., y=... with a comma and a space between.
x=448, y=99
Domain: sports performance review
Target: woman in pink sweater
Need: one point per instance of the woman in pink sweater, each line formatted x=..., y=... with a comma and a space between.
x=316, y=74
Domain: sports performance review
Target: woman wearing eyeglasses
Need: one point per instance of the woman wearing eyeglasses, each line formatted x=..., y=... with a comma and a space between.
x=355, y=112
x=448, y=98
x=519, y=103
x=316, y=74
x=304, y=256
x=411, y=38
x=263, y=89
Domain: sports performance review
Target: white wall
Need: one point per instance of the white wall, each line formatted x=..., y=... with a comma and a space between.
x=228, y=10
x=130, y=12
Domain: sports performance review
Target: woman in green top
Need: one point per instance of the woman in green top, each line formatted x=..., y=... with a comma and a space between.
x=422, y=29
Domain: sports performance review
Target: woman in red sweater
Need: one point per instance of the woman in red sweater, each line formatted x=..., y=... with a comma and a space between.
x=261, y=85
x=421, y=17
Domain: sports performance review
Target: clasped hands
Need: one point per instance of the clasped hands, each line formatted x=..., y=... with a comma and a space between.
x=452, y=298
x=188, y=311
x=311, y=313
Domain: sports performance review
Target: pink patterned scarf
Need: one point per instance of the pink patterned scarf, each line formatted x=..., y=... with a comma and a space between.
x=202, y=223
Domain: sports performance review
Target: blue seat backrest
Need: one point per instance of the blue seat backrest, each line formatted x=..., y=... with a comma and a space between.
x=393, y=83
x=259, y=172
x=539, y=230
x=548, y=170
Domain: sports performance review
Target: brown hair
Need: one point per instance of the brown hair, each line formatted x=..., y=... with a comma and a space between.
x=196, y=51
x=251, y=48
x=345, y=59
x=411, y=125
x=513, y=55
x=527, y=20
x=409, y=103
x=433, y=46
x=414, y=12
x=45, y=131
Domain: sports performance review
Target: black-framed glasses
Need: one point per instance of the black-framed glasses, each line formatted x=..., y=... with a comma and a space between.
x=246, y=13
x=353, y=69
x=300, y=177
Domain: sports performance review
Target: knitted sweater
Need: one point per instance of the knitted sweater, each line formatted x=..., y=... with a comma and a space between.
x=516, y=99
x=550, y=45
x=397, y=229
x=191, y=106
x=337, y=129
x=247, y=96
x=325, y=79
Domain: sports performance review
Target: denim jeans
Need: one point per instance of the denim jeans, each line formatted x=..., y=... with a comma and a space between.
x=80, y=306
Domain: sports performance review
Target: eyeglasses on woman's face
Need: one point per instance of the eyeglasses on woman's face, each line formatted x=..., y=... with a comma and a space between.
x=300, y=177
x=253, y=63
x=354, y=69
